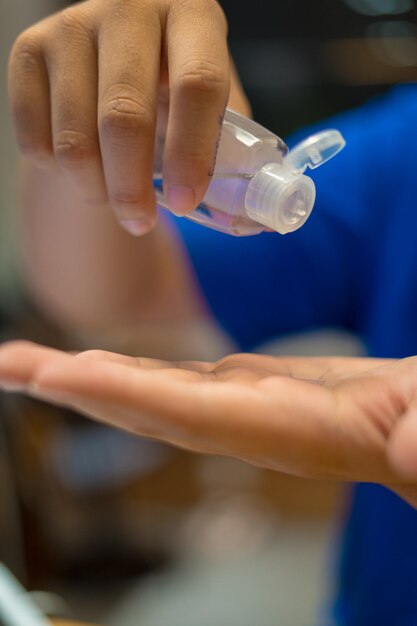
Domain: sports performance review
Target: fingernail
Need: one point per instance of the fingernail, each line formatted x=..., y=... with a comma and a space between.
x=181, y=200
x=137, y=227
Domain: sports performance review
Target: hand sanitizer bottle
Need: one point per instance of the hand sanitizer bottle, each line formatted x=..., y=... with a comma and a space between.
x=257, y=183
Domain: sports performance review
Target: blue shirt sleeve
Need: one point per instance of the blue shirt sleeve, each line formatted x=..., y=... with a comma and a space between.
x=320, y=276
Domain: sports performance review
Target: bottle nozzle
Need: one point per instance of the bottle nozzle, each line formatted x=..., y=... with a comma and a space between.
x=280, y=196
x=278, y=199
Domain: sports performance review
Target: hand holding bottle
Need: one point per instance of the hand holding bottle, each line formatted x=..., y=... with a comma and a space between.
x=88, y=84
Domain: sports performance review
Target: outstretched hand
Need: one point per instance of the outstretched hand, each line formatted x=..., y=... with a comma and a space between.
x=336, y=418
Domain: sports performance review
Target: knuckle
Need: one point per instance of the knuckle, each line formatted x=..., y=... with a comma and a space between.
x=124, y=10
x=202, y=76
x=18, y=345
x=125, y=117
x=73, y=148
x=26, y=51
x=74, y=22
x=207, y=9
x=92, y=355
x=125, y=198
x=195, y=158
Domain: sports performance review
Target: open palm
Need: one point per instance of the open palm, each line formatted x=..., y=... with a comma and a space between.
x=333, y=417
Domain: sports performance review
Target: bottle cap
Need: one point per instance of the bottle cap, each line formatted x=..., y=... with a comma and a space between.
x=280, y=196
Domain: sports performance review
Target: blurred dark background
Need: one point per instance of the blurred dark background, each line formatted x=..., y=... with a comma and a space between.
x=303, y=60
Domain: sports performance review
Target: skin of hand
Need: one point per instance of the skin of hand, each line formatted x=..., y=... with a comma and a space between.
x=88, y=84
x=351, y=419
x=82, y=270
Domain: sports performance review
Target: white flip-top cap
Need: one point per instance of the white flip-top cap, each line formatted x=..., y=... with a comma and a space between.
x=280, y=196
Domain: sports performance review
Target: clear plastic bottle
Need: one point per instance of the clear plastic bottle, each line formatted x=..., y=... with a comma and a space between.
x=257, y=183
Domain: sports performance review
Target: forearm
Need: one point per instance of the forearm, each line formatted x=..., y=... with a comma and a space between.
x=85, y=272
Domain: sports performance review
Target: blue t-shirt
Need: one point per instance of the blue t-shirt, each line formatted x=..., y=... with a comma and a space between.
x=352, y=266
